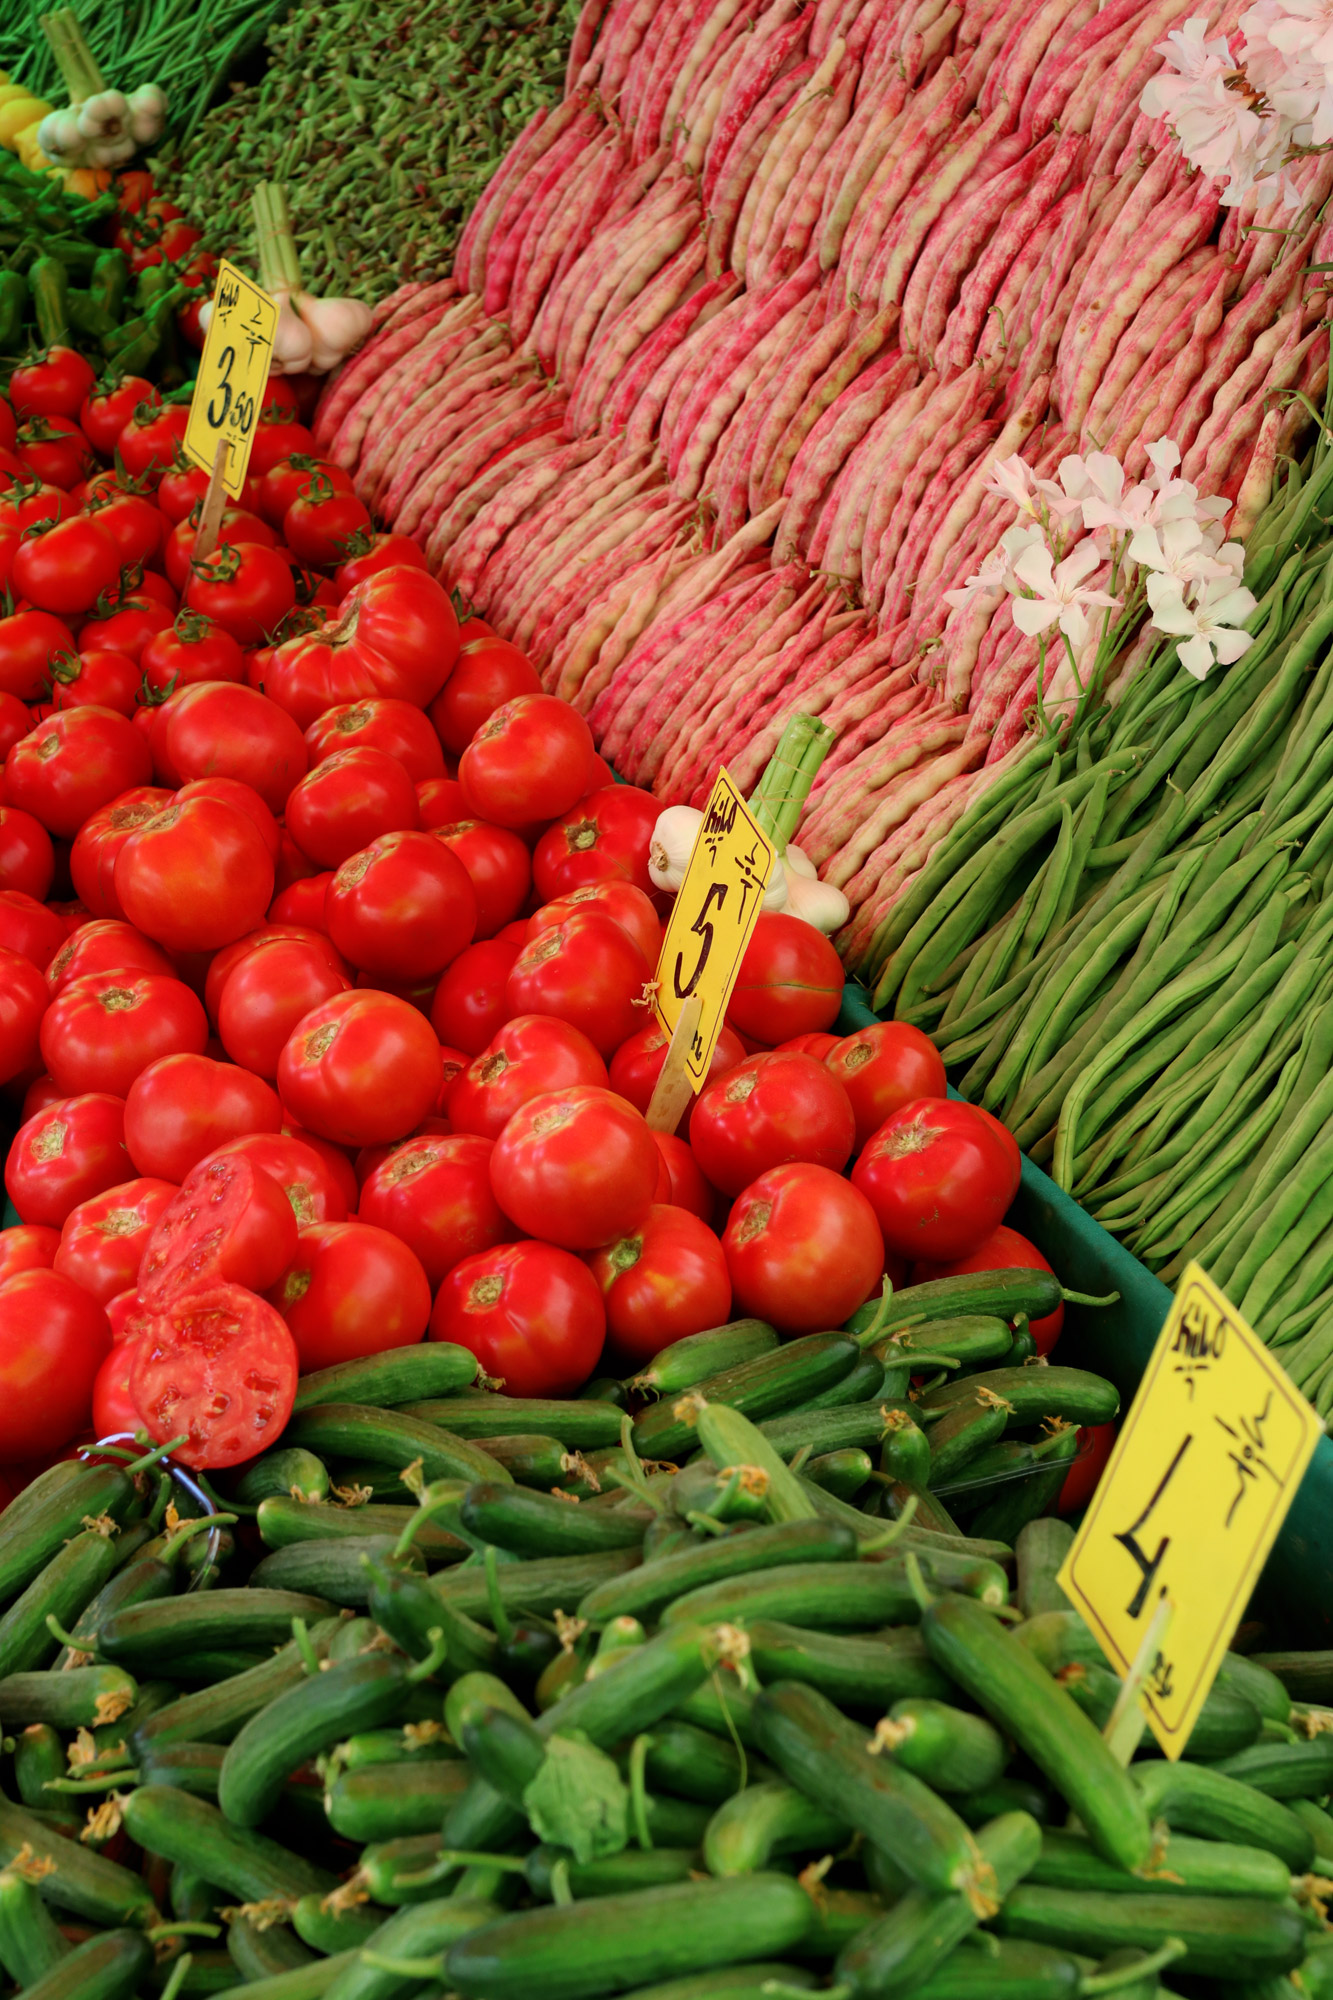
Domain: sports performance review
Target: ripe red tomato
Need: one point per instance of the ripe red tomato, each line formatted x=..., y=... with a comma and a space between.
x=397, y=727
x=55, y=384
x=190, y=650
x=218, y=1367
x=135, y=525
x=53, y=1339
x=321, y=520
x=41, y=1093
x=102, y=1031
x=604, y=838
x=131, y=626
x=1095, y=1445
x=586, y=971
x=277, y=437
x=244, y=587
x=667, y=1279
x=228, y=1223
x=149, y=441
x=621, y=901
x=115, y=1413
x=105, y=412
x=66, y=567
x=576, y=1167
x=67, y=1154
x=938, y=1179
x=529, y=761
x=72, y=764
x=434, y=1192
x=219, y=731
x=531, y=1314
x=768, y=1110
x=499, y=868
x=531, y=1054
x=182, y=1108
x=183, y=485
x=23, y=505
x=238, y=526
x=304, y=1168
x=23, y=1001
x=469, y=1004
x=15, y=720
x=347, y=801
x=92, y=860
x=267, y=993
x=884, y=1067
x=223, y=963
x=637, y=1064
x=284, y=479
x=104, y=944
x=688, y=1189
x=97, y=679
x=402, y=908
x=1003, y=1250
x=27, y=1246
x=30, y=643
x=439, y=800
x=790, y=980
x=817, y=1045
x=196, y=877
x=237, y=797
x=302, y=901
x=361, y=1069
x=395, y=637
x=104, y=1239
x=368, y=553
x=803, y=1248
x=351, y=1289
x=29, y=928
x=488, y=673
x=54, y=451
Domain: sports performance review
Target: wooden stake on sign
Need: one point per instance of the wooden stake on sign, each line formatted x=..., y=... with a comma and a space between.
x=1126, y=1723
x=215, y=500
x=674, y=1089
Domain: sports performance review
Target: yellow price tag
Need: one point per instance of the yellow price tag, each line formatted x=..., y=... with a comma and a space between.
x=233, y=372
x=1206, y=1465
x=716, y=910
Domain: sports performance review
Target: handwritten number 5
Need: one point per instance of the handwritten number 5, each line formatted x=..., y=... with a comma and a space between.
x=703, y=930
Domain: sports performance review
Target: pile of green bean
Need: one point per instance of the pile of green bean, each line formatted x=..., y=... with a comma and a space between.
x=384, y=122
x=1125, y=950
x=188, y=47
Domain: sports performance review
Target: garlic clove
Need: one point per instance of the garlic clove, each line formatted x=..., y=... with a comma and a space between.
x=818, y=903
x=671, y=846
x=799, y=863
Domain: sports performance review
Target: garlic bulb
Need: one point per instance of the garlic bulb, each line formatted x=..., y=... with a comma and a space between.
x=104, y=116
x=147, y=113
x=817, y=903
x=337, y=328
x=671, y=846
x=59, y=136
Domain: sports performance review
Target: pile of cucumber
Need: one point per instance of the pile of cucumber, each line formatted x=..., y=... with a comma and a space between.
x=692, y=1687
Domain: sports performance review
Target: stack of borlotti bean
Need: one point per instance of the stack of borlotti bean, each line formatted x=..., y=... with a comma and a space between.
x=705, y=417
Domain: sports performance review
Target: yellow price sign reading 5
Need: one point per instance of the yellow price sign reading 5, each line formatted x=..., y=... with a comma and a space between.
x=1206, y=1465
x=233, y=373
x=715, y=913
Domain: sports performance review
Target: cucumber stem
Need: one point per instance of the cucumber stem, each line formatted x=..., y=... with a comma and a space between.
x=123, y=1775
x=305, y=1646
x=561, y=1892
x=188, y=1530
x=916, y=1583
x=1143, y=1969
x=638, y=1796
x=451, y=1858
x=405, y=1968
x=500, y=1619
x=1088, y=1299
x=435, y=1658
x=178, y=1975
x=157, y=1454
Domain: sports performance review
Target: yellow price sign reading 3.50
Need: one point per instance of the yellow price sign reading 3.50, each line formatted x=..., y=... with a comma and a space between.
x=233, y=373
x=715, y=913
x=1206, y=1465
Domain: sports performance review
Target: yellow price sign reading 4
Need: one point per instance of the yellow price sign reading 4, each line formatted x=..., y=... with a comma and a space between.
x=1206, y=1465
x=715, y=913
x=233, y=373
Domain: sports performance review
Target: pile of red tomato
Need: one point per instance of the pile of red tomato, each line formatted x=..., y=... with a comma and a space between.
x=326, y=960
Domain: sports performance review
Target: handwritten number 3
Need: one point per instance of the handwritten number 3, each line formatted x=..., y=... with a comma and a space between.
x=217, y=418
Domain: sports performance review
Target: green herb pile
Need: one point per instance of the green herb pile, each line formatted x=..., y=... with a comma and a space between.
x=385, y=121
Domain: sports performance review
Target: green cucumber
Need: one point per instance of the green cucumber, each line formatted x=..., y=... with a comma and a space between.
x=108, y=1967
x=181, y=1827
x=260, y=1954
x=139, y=1582
x=296, y=1726
x=827, y=1757
x=281, y=1520
x=693, y=1763
x=213, y=1715
x=644, y=1682
x=904, y=1455
x=335, y=1569
x=39, y=1757
x=564, y=1952
x=863, y=1672
x=854, y=1425
x=836, y=1596
x=534, y=1460
x=542, y=1586
x=1194, y=1798
x=1040, y=1550
x=211, y=1664
x=389, y=1437
x=721, y=1704
x=332, y=1929
x=52, y=1511
x=301, y=1982
x=948, y=1748
x=1011, y=1686
x=1319, y=1825
x=763, y=1387
x=968, y=1340
x=387, y=1869
x=738, y=1982
x=1284, y=1770
x=73, y=1700
x=1262, y=1689
x=765, y=1819
x=613, y=1874
x=1305, y=1676
x=645, y=1591
x=1183, y=1866
x=732, y=1495
x=1035, y=1393
x=65, y=1587
x=923, y=1927
x=582, y=1426
x=287, y=1470
x=31, y=1941
x=415, y=1617
x=1005, y=1294
x=190, y=1767
x=863, y=1383
x=844, y=1472
x=963, y=1432
x=391, y=1801
x=991, y=1968
x=540, y=1524
x=409, y=1935
x=391, y=1746
x=139, y=1636
x=85, y=1883
x=700, y=1355
x=397, y=1375
x=1006, y=1795
x=1224, y=1936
